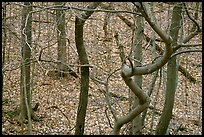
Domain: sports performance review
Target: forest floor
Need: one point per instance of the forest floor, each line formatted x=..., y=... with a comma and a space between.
x=58, y=98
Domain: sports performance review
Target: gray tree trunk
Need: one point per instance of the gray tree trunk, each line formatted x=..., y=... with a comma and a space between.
x=172, y=75
x=61, y=38
x=139, y=28
x=128, y=71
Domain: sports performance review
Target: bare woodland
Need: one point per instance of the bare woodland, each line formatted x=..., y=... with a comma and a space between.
x=100, y=68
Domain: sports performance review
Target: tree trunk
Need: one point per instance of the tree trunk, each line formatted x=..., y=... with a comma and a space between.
x=61, y=38
x=26, y=54
x=25, y=93
x=4, y=42
x=137, y=122
x=4, y=34
x=172, y=76
x=83, y=99
x=25, y=82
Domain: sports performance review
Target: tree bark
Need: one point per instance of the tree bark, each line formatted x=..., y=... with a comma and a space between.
x=61, y=38
x=4, y=42
x=159, y=49
x=25, y=92
x=139, y=29
x=172, y=76
x=127, y=72
x=26, y=54
x=83, y=99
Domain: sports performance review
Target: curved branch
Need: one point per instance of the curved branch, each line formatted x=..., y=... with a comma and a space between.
x=185, y=51
x=134, y=87
x=187, y=45
x=151, y=67
x=143, y=102
x=196, y=32
x=164, y=36
x=198, y=27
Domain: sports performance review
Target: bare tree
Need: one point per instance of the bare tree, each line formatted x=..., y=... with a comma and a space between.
x=129, y=71
x=123, y=50
x=83, y=99
x=61, y=37
x=25, y=92
x=172, y=76
x=137, y=51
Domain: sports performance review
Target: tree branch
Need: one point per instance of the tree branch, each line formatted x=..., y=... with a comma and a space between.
x=161, y=61
x=185, y=51
x=196, y=32
x=187, y=45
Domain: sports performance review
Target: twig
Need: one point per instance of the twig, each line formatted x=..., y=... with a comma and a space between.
x=56, y=107
x=108, y=118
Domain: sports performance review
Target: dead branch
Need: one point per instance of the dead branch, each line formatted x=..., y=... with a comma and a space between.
x=56, y=107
